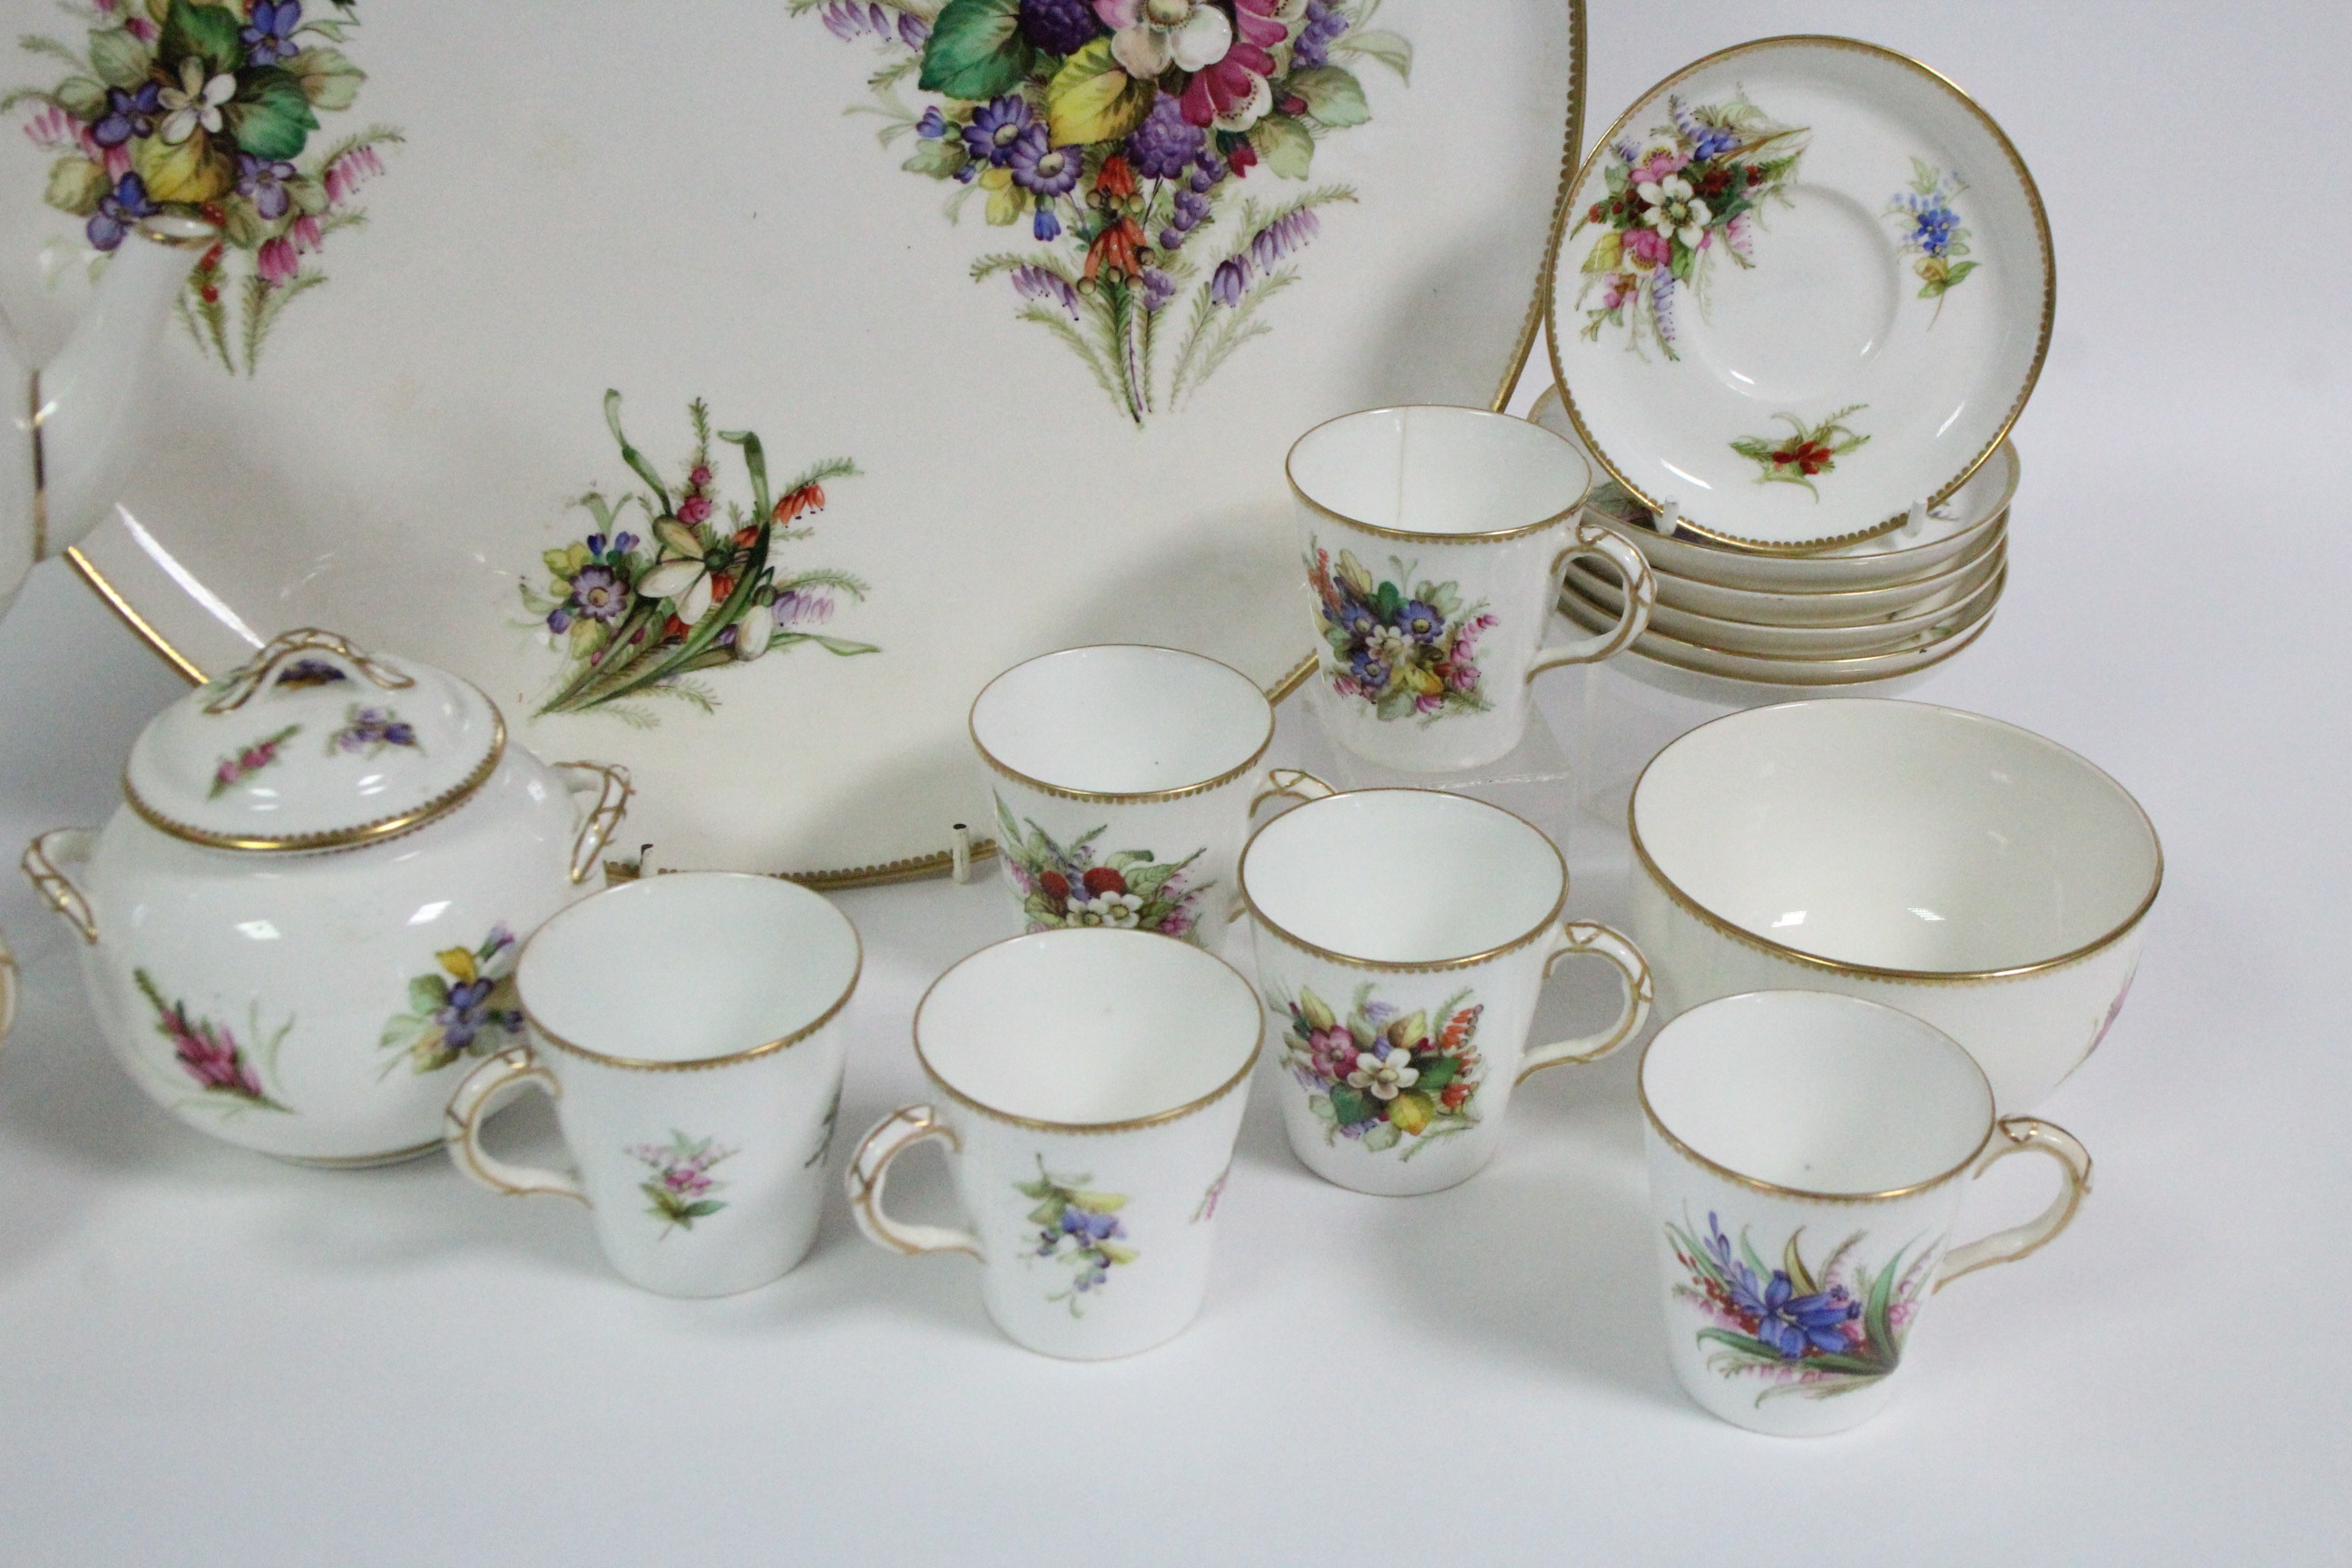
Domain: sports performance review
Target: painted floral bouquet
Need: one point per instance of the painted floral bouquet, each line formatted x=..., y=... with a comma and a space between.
x=1817, y=1333
x=1382, y=1076
x=1403, y=653
x=678, y=1191
x=1064, y=886
x=637, y=616
x=1079, y=1227
x=1702, y=180
x=1119, y=131
x=469, y=1008
x=208, y=110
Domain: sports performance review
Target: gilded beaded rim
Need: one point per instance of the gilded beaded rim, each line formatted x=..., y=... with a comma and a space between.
x=2026, y=390
x=692, y=1064
x=1122, y=797
x=1129, y=1124
x=1766, y=945
x=1428, y=966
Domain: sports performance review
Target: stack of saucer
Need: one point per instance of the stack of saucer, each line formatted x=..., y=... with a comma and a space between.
x=1802, y=290
x=1876, y=614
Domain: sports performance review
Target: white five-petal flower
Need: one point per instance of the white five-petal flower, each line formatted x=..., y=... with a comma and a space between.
x=688, y=581
x=1149, y=35
x=194, y=101
x=1673, y=210
x=1383, y=1077
x=1124, y=911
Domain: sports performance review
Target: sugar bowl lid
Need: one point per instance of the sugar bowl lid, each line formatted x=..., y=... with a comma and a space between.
x=313, y=744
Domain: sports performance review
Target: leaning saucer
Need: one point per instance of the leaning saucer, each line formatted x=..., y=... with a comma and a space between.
x=1806, y=286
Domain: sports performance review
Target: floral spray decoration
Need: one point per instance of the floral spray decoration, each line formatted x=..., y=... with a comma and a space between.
x=678, y=1191
x=1079, y=1227
x=1812, y=1330
x=1121, y=134
x=1065, y=885
x=1384, y=1078
x=211, y=110
x=702, y=589
x=1406, y=649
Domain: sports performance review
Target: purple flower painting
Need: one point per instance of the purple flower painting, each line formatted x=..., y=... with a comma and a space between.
x=1079, y=1229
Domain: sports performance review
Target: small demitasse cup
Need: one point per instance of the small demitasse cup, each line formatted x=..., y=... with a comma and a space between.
x=688, y=1029
x=1402, y=937
x=1089, y=1087
x=1807, y=1154
x=1435, y=539
x=1122, y=780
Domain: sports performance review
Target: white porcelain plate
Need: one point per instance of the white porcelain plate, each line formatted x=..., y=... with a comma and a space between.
x=1804, y=284
x=1022, y=345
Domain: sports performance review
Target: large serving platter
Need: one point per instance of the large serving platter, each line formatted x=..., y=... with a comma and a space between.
x=982, y=439
x=1805, y=285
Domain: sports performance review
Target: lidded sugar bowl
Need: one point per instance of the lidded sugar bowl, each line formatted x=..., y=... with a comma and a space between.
x=307, y=909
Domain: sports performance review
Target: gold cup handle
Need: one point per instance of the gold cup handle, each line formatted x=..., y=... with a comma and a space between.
x=1641, y=593
x=611, y=783
x=1289, y=783
x=2016, y=1135
x=1574, y=937
x=44, y=860
x=484, y=1091
x=869, y=1168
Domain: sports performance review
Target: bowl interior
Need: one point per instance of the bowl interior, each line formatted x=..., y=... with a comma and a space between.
x=1897, y=836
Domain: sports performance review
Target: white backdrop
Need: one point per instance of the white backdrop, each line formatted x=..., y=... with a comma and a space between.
x=205, y=1357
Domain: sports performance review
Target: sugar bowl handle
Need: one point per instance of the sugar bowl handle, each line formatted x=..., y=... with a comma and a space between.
x=1574, y=937
x=869, y=1168
x=610, y=784
x=486, y=1088
x=1640, y=592
x=328, y=656
x=45, y=860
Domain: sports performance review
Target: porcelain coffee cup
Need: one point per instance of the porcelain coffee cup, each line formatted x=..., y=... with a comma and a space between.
x=1122, y=780
x=1806, y=1153
x=1962, y=869
x=688, y=1028
x=1089, y=1087
x=1402, y=939
x=1434, y=539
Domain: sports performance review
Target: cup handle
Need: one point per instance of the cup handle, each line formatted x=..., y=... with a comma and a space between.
x=44, y=859
x=1289, y=783
x=612, y=789
x=486, y=1088
x=869, y=1168
x=1583, y=936
x=1640, y=592
x=2015, y=1135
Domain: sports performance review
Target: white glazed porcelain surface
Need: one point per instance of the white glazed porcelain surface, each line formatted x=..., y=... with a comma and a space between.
x=688, y=1029
x=1961, y=868
x=410, y=443
x=1425, y=992
x=1835, y=606
x=61, y=469
x=1432, y=539
x=317, y=739
x=1943, y=641
x=1805, y=322
x=296, y=1000
x=1807, y=1154
x=1948, y=534
x=1893, y=634
x=1134, y=766
x=1091, y=1085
